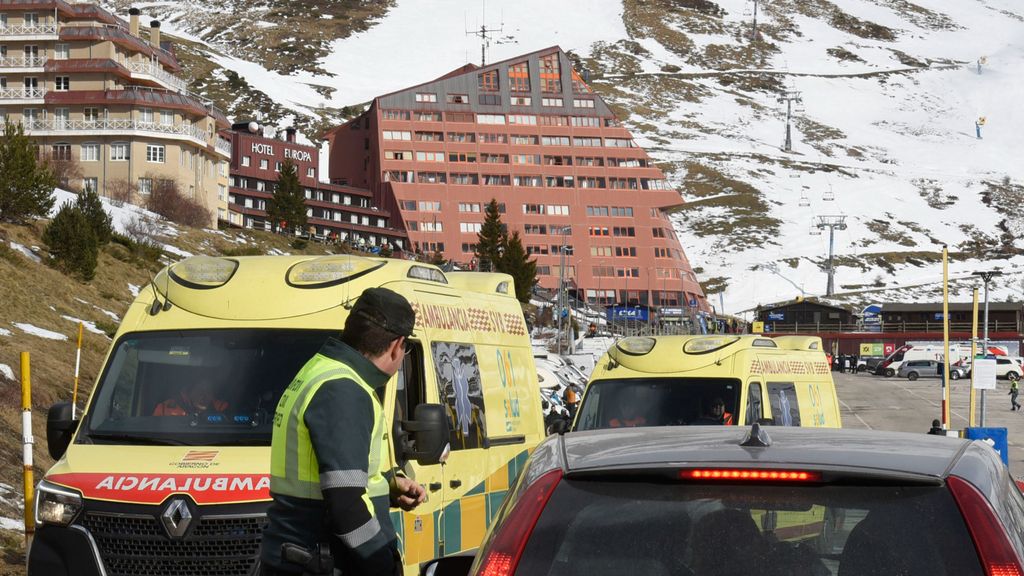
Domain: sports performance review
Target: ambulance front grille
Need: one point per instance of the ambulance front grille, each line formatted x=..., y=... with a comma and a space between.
x=137, y=545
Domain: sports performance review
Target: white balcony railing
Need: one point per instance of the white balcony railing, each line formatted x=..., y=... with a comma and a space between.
x=28, y=29
x=156, y=71
x=22, y=61
x=19, y=93
x=223, y=146
x=116, y=125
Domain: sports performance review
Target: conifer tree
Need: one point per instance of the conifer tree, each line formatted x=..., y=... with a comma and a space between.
x=490, y=239
x=72, y=242
x=26, y=184
x=92, y=208
x=517, y=263
x=288, y=204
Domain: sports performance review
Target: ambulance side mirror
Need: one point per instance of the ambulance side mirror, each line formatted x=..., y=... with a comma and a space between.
x=428, y=435
x=59, y=429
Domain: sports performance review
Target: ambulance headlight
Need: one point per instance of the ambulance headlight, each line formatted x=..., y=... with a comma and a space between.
x=636, y=345
x=56, y=505
x=707, y=344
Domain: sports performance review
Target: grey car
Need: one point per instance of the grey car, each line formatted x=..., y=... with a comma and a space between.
x=914, y=369
x=736, y=500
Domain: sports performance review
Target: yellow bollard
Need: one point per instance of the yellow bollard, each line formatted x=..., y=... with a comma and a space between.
x=78, y=363
x=974, y=354
x=28, y=441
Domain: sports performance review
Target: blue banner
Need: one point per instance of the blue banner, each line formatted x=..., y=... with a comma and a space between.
x=621, y=313
x=776, y=316
x=994, y=437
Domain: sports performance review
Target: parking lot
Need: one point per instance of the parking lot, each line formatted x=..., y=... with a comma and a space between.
x=879, y=403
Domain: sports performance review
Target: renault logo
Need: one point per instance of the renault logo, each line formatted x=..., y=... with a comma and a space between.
x=176, y=518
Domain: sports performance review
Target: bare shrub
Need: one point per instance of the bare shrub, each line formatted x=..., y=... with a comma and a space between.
x=167, y=200
x=120, y=192
x=142, y=229
x=68, y=173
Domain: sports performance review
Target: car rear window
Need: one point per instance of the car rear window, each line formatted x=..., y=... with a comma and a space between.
x=656, y=528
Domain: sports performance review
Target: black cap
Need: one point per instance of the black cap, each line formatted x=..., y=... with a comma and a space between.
x=398, y=315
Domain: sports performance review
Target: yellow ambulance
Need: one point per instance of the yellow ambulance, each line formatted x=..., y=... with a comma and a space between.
x=144, y=487
x=714, y=379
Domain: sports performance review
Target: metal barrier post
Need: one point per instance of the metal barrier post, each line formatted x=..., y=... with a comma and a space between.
x=27, y=441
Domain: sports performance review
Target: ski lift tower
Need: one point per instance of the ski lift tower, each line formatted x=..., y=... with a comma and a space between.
x=789, y=98
x=833, y=223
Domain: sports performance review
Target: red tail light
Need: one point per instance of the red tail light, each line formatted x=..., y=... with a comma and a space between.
x=503, y=551
x=994, y=548
x=751, y=475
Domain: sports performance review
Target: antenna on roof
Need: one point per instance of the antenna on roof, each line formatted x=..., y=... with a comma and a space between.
x=484, y=33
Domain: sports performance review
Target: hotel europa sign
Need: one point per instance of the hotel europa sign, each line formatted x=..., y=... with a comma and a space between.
x=289, y=153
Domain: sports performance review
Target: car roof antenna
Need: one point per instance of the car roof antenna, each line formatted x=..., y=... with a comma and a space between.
x=167, y=290
x=155, y=308
x=757, y=438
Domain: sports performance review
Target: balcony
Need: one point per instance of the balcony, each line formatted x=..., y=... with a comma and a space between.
x=29, y=32
x=154, y=71
x=56, y=127
x=22, y=63
x=223, y=146
x=19, y=95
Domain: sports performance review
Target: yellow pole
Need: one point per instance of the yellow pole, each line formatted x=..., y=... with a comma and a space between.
x=27, y=440
x=945, y=337
x=974, y=352
x=78, y=364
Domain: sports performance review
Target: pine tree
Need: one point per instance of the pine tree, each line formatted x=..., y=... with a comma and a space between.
x=26, y=185
x=490, y=239
x=288, y=204
x=92, y=208
x=437, y=258
x=517, y=263
x=72, y=242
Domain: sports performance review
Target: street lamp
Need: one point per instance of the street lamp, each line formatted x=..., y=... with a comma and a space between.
x=985, y=276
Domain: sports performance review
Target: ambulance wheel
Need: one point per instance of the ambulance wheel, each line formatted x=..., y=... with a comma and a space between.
x=954, y=375
x=889, y=372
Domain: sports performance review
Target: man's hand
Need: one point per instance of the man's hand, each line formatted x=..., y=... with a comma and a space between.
x=406, y=493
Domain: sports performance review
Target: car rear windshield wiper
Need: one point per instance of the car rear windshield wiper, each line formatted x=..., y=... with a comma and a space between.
x=136, y=439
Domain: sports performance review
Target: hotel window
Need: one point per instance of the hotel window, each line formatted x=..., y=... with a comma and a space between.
x=587, y=121
x=622, y=211
x=600, y=250
x=654, y=184
x=659, y=233
x=522, y=119
x=589, y=161
x=550, y=73
x=519, y=77
x=3, y=20
x=489, y=99
x=533, y=209
x=521, y=100
x=497, y=180
x=120, y=151
x=310, y=172
x=591, y=182
x=540, y=229
x=558, y=160
x=494, y=158
x=397, y=135
x=431, y=177
x=61, y=117
x=146, y=115
x=554, y=140
x=553, y=102
x=470, y=179
x=623, y=231
x=398, y=176
x=462, y=157
x=490, y=118
x=605, y=271
x=488, y=81
x=62, y=83
x=468, y=247
x=277, y=166
x=586, y=142
x=627, y=272
x=90, y=152
x=429, y=206
x=582, y=103
x=395, y=114
x=460, y=117
x=408, y=205
x=91, y=115
x=524, y=139
x=578, y=85
x=528, y=181
x=90, y=184
x=531, y=250
x=627, y=163
x=597, y=210
x=31, y=19
x=61, y=52
x=62, y=151
x=426, y=97
x=461, y=137
x=458, y=99
x=467, y=227
x=558, y=210
x=493, y=138
x=469, y=207
x=559, y=181
x=526, y=158
x=662, y=253
x=166, y=117
x=619, y=143
x=246, y=161
x=264, y=164
x=222, y=192
x=429, y=136
x=553, y=121
x=398, y=154
x=598, y=231
x=625, y=252
x=428, y=116
x=430, y=156
x=623, y=184
x=145, y=186
x=431, y=227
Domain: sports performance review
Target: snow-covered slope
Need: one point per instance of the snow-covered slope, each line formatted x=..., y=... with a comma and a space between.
x=885, y=133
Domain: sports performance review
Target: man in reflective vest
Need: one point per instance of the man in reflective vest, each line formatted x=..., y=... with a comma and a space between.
x=330, y=474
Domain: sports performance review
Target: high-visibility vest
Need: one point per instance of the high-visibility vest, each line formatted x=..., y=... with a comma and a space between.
x=294, y=468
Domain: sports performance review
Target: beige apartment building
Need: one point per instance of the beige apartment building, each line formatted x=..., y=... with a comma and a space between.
x=100, y=96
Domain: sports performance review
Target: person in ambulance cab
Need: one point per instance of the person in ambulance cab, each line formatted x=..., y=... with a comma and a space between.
x=196, y=397
x=717, y=414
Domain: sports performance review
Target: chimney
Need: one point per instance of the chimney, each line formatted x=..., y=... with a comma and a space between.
x=154, y=34
x=133, y=21
x=290, y=134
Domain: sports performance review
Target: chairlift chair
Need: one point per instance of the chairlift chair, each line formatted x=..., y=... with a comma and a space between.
x=829, y=195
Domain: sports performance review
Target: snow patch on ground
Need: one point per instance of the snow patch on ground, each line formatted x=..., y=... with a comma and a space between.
x=7, y=372
x=90, y=326
x=37, y=331
x=5, y=332
x=28, y=253
x=133, y=289
x=121, y=216
x=175, y=250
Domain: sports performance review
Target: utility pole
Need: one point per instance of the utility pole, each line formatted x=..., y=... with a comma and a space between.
x=833, y=223
x=563, y=298
x=484, y=34
x=985, y=277
x=753, y=33
x=789, y=97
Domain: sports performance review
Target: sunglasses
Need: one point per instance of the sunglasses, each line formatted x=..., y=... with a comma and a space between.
x=407, y=346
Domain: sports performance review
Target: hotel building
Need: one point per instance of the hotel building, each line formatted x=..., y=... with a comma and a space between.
x=91, y=90
x=334, y=211
x=530, y=133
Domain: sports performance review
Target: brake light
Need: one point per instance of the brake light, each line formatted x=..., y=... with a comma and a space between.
x=754, y=475
x=502, y=553
x=994, y=548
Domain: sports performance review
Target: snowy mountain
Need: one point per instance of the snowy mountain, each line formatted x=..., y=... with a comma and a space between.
x=883, y=130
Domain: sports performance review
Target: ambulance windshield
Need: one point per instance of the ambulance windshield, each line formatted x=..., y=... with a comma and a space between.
x=197, y=387
x=637, y=402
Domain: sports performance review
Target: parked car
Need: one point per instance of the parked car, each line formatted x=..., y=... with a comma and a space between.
x=1007, y=367
x=869, y=363
x=782, y=500
x=914, y=369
